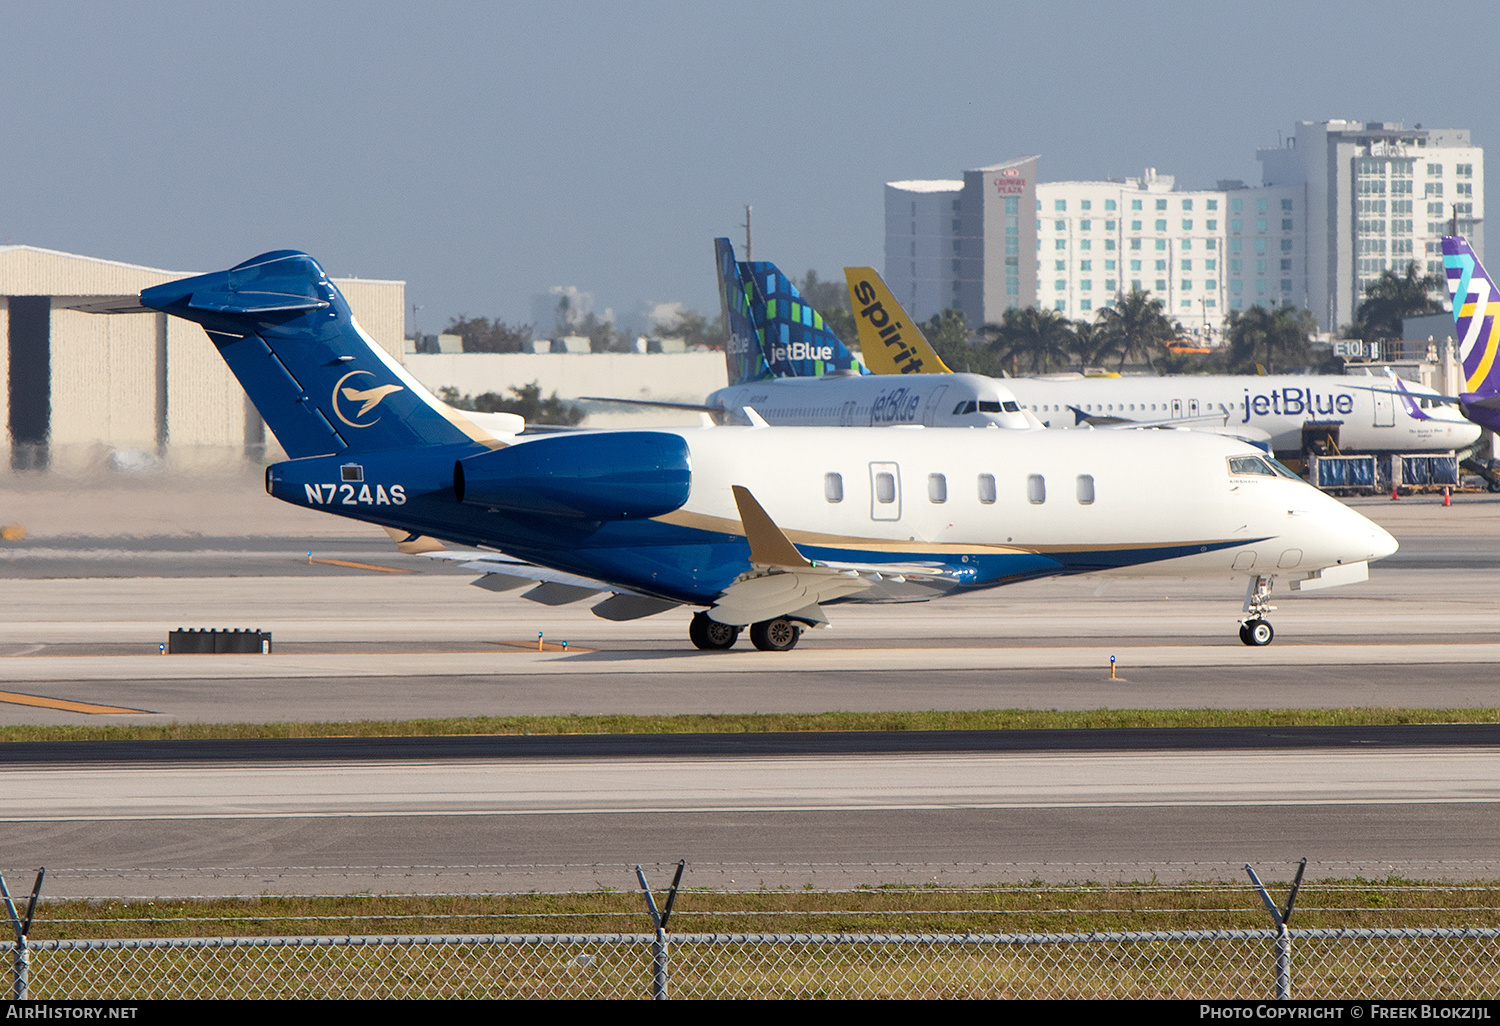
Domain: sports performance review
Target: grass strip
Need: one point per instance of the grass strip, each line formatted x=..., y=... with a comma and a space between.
x=754, y=723
x=989, y=909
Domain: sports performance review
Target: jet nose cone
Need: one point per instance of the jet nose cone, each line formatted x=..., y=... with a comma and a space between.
x=1381, y=542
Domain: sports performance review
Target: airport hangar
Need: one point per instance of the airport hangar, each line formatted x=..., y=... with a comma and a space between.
x=81, y=389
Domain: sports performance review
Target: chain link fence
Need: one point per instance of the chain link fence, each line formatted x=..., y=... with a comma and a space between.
x=1387, y=964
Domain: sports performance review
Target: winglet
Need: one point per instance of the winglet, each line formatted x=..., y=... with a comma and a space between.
x=768, y=546
x=889, y=339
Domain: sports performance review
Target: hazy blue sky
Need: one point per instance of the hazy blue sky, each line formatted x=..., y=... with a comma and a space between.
x=486, y=151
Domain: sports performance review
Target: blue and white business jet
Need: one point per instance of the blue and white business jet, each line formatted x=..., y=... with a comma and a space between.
x=761, y=526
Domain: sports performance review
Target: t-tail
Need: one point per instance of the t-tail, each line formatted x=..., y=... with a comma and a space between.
x=322, y=385
x=1477, y=328
x=889, y=339
x=794, y=340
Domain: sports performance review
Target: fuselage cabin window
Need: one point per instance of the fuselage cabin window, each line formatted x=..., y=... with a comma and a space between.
x=1036, y=489
x=1085, y=489
x=937, y=487
x=885, y=487
x=833, y=487
x=987, y=488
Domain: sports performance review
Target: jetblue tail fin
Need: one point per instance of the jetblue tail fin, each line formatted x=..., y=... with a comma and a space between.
x=792, y=339
x=743, y=352
x=1475, y=305
x=889, y=339
x=796, y=340
x=322, y=385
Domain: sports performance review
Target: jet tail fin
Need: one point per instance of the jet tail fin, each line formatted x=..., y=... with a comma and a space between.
x=1475, y=305
x=792, y=339
x=889, y=339
x=743, y=353
x=322, y=384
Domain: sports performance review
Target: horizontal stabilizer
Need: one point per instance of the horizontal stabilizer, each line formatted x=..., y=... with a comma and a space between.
x=253, y=302
x=101, y=304
x=658, y=403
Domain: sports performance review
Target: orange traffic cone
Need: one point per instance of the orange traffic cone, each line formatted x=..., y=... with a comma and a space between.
x=1395, y=493
x=1447, y=499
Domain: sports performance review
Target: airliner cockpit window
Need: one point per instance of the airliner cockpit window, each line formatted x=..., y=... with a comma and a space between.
x=1282, y=470
x=1243, y=466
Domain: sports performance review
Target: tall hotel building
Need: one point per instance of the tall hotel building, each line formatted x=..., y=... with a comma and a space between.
x=1339, y=202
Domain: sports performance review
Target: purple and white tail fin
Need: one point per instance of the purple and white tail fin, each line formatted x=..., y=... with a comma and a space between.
x=1476, y=304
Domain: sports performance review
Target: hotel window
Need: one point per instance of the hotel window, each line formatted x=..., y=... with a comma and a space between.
x=1161, y=204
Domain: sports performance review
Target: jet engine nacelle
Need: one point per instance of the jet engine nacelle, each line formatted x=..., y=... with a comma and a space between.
x=627, y=475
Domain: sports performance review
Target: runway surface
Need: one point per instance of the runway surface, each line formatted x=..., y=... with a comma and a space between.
x=81, y=619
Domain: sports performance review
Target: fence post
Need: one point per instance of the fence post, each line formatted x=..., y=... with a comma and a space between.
x=1283, y=937
x=659, y=920
x=21, y=964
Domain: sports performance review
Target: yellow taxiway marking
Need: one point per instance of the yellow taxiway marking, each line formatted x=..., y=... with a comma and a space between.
x=546, y=646
x=61, y=703
x=361, y=566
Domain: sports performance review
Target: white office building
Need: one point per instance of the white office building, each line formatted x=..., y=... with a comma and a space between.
x=1380, y=196
x=1339, y=203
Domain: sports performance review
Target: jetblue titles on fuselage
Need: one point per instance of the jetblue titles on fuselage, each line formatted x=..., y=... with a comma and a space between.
x=1296, y=402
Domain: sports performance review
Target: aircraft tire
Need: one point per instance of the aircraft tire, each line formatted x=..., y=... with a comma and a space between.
x=778, y=635
x=1256, y=633
x=711, y=635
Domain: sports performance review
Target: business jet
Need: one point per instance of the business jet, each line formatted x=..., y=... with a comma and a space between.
x=760, y=527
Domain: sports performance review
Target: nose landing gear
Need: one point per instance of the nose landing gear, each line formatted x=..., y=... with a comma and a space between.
x=1255, y=630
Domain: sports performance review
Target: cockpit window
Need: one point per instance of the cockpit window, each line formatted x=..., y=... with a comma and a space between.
x=989, y=406
x=1282, y=470
x=1248, y=466
x=965, y=407
x=1010, y=407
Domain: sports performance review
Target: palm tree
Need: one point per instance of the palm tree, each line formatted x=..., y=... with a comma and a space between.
x=1136, y=326
x=1092, y=344
x=1044, y=337
x=1393, y=296
x=1267, y=337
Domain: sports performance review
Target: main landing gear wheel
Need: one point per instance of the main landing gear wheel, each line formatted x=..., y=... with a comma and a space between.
x=1256, y=633
x=711, y=635
x=778, y=635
